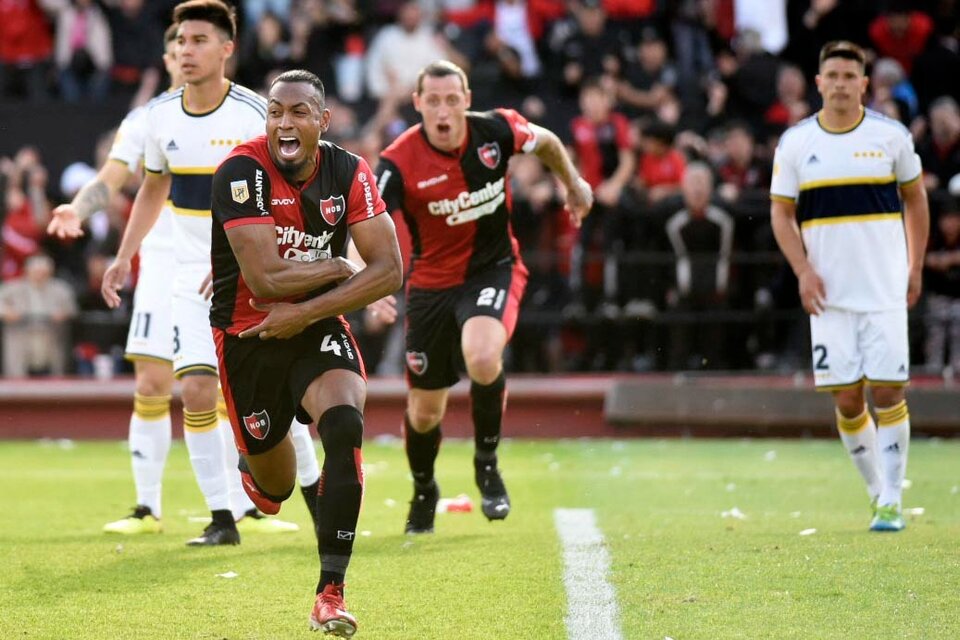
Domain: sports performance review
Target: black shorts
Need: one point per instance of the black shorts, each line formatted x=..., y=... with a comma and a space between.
x=435, y=318
x=263, y=381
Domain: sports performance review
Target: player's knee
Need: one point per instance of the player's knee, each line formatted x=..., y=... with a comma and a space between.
x=199, y=393
x=341, y=430
x=887, y=396
x=424, y=418
x=849, y=402
x=483, y=364
x=153, y=379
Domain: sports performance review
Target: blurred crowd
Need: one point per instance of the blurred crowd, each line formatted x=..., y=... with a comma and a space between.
x=672, y=109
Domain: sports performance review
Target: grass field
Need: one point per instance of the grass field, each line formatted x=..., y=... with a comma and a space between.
x=679, y=568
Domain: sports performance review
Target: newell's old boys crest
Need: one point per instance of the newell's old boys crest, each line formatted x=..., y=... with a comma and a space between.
x=490, y=154
x=239, y=191
x=417, y=362
x=332, y=209
x=258, y=424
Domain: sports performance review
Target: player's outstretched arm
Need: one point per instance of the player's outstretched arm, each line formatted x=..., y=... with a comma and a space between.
x=92, y=197
x=783, y=219
x=554, y=155
x=146, y=209
x=916, y=222
x=376, y=241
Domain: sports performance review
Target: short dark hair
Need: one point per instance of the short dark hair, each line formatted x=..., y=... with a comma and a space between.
x=843, y=49
x=440, y=69
x=218, y=13
x=304, y=76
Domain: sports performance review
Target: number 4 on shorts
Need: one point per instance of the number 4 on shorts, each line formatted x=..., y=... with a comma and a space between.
x=329, y=344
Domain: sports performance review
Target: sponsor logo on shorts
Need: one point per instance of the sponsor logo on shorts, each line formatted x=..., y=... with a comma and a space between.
x=490, y=154
x=257, y=424
x=239, y=191
x=417, y=362
x=332, y=209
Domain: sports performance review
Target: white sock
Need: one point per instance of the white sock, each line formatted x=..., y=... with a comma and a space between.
x=308, y=471
x=149, y=442
x=893, y=442
x=205, y=445
x=240, y=502
x=859, y=437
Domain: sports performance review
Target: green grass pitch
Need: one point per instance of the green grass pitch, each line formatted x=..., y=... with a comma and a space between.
x=680, y=569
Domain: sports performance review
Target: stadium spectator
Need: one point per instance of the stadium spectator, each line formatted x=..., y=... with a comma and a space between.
x=35, y=311
x=888, y=83
x=27, y=209
x=768, y=18
x=649, y=78
x=740, y=171
x=940, y=148
x=592, y=47
x=603, y=154
x=268, y=52
x=691, y=45
x=813, y=23
x=701, y=235
x=255, y=10
x=901, y=32
x=327, y=38
x=26, y=43
x=661, y=166
x=83, y=51
x=942, y=279
x=398, y=51
x=137, y=37
x=792, y=104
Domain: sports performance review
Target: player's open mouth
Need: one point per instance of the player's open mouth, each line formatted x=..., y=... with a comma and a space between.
x=443, y=128
x=288, y=146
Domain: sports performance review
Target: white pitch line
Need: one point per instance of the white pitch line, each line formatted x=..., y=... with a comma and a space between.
x=591, y=601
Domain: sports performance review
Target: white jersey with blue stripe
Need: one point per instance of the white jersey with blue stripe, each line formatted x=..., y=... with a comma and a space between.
x=190, y=147
x=128, y=148
x=846, y=187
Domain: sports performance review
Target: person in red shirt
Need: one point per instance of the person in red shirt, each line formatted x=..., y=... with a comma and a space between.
x=448, y=175
x=282, y=207
x=901, y=33
x=26, y=44
x=661, y=166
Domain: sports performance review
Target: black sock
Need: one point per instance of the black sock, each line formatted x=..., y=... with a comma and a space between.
x=223, y=517
x=340, y=490
x=310, y=497
x=422, y=449
x=329, y=577
x=486, y=406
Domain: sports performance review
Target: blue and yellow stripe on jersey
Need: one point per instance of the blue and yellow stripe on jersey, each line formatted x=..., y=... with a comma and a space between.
x=855, y=199
x=191, y=190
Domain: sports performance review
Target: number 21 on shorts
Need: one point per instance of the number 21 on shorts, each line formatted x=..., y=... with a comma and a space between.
x=491, y=296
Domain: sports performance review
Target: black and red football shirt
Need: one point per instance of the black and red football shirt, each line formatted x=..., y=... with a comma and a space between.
x=457, y=205
x=311, y=220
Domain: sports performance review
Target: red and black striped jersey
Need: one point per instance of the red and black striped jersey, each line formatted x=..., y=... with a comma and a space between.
x=457, y=205
x=311, y=220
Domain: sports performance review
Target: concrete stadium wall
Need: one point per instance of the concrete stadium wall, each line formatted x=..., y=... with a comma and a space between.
x=538, y=407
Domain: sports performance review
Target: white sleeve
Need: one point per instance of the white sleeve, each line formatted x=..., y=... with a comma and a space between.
x=785, y=183
x=906, y=165
x=153, y=158
x=128, y=143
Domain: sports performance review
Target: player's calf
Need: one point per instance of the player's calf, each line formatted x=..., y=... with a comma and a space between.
x=265, y=502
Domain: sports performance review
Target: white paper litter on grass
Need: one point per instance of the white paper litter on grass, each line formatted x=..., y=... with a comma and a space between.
x=228, y=574
x=914, y=511
x=794, y=514
x=770, y=456
x=366, y=534
x=731, y=486
x=390, y=502
x=734, y=513
x=907, y=483
x=808, y=532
